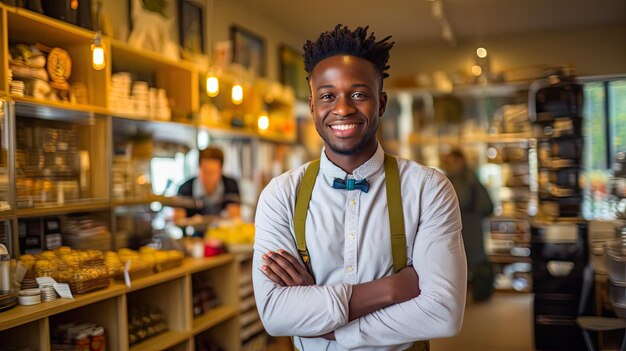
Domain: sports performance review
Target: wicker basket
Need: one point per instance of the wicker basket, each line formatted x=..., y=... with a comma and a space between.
x=134, y=274
x=84, y=286
x=169, y=264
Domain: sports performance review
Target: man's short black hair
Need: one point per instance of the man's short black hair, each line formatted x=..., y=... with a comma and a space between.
x=211, y=153
x=343, y=41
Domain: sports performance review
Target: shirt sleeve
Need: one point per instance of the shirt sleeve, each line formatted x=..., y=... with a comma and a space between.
x=292, y=311
x=439, y=259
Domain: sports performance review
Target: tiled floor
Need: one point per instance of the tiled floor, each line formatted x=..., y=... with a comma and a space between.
x=504, y=323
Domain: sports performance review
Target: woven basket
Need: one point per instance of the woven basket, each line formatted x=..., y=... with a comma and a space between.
x=84, y=286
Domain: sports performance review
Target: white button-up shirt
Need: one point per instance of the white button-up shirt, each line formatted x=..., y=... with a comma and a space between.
x=349, y=242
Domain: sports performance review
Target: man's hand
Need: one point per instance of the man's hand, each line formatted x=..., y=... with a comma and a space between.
x=285, y=270
x=405, y=285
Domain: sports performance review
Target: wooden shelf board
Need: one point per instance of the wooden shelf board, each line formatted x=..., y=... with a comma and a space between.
x=509, y=259
x=24, y=314
x=143, y=60
x=131, y=201
x=189, y=266
x=162, y=341
x=62, y=105
x=55, y=209
x=225, y=131
x=277, y=138
x=26, y=21
x=183, y=133
x=213, y=318
x=148, y=119
x=194, y=265
x=7, y=215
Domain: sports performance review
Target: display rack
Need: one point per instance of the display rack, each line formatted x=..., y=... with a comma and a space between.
x=169, y=290
x=99, y=125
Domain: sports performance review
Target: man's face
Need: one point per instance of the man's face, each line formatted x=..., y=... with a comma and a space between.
x=346, y=103
x=210, y=174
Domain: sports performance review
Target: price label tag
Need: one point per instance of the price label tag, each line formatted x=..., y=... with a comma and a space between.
x=126, y=274
x=43, y=281
x=63, y=290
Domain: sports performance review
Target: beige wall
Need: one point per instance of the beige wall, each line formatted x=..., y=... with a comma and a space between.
x=592, y=51
x=228, y=13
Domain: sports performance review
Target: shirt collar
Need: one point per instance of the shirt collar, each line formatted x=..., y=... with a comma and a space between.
x=364, y=171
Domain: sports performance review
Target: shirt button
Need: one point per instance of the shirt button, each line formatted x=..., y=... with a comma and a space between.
x=349, y=269
x=353, y=202
x=351, y=236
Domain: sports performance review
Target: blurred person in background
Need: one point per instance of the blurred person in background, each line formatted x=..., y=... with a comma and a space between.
x=475, y=206
x=215, y=194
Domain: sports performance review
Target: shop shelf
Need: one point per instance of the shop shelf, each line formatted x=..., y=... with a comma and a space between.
x=50, y=209
x=184, y=346
x=25, y=314
x=251, y=330
x=33, y=335
x=26, y=27
x=168, y=131
x=508, y=259
x=176, y=77
x=65, y=106
x=225, y=335
x=159, y=296
x=162, y=341
x=212, y=318
x=224, y=131
x=103, y=313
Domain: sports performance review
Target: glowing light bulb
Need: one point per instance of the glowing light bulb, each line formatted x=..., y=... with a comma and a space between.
x=98, y=61
x=263, y=122
x=236, y=94
x=481, y=52
x=476, y=70
x=212, y=85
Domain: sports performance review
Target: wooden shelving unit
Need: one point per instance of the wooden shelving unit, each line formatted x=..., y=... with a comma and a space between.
x=169, y=290
x=31, y=326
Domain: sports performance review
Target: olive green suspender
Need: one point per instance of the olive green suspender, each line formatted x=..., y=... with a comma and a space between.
x=394, y=207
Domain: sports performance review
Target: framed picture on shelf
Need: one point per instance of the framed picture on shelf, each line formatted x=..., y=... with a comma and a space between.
x=191, y=26
x=248, y=50
x=292, y=74
x=152, y=26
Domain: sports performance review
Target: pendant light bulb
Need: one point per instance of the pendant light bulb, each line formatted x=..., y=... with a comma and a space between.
x=481, y=52
x=212, y=85
x=264, y=122
x=236, y=94
x=98, y=60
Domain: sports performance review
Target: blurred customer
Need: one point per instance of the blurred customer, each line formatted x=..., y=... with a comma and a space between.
x=475, y=205
x=215, y=194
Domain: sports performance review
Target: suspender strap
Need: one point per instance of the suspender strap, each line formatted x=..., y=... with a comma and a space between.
x=394, y=206
x=302, y=207
x=396, y=216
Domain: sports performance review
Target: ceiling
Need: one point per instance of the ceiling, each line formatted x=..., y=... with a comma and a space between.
x=411, y=21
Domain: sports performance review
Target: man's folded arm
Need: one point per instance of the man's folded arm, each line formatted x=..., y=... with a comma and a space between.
x=302, y=310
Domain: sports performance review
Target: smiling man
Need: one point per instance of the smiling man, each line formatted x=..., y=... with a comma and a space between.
x=359, y=250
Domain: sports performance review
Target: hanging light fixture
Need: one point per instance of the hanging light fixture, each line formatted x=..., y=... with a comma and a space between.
x=212, y=79
x=236, y=94
x=481, y=52
x=263, y=122
x=212, y=83
x=98, y=60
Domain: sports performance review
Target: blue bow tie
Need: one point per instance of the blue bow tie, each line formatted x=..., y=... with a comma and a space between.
x=351, y=184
